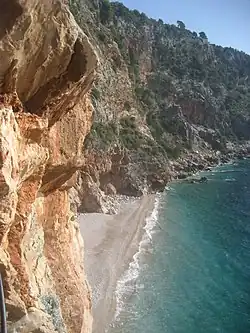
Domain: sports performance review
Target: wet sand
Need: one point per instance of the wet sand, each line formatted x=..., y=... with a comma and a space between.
x=110, y=243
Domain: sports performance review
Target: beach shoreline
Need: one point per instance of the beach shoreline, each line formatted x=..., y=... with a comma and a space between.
x=111, y=241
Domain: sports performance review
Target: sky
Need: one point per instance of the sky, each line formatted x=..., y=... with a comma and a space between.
x=225, y=22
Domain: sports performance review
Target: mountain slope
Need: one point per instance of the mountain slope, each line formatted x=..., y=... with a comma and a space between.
x=162, y=92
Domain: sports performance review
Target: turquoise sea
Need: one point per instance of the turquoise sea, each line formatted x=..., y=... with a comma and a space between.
x=192, y=271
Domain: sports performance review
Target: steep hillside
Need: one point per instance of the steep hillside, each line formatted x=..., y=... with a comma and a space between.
x=162, y=93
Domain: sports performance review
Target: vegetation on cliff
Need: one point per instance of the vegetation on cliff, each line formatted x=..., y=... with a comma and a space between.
x=188, y=80
x=162, y=90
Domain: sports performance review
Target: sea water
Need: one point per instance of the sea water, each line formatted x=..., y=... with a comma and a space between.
x=192, y=271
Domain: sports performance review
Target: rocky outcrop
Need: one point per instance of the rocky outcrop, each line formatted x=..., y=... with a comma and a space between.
x=47, y=66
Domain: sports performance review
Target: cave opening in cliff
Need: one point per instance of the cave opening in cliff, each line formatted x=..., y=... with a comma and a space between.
x=10, y=10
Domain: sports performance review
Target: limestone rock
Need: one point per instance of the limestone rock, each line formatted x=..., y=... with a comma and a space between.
x=47, y=66
x=51, y=59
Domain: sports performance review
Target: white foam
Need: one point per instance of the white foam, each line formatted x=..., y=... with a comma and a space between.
x=125, y=285
x=230, y=180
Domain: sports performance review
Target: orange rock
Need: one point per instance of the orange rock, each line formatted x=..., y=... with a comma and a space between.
x=50, y=65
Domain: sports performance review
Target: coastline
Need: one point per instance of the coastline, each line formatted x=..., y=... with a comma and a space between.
x=111, y=242
x=192, y=164
x=177, y=255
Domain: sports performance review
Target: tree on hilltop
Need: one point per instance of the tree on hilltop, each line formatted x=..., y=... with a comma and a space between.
x=181, y=25
x=202, y=35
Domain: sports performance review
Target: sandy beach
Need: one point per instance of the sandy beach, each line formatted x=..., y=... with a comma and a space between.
x=110, y=243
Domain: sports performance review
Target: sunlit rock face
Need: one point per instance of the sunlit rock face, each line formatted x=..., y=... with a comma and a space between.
x=47, y=66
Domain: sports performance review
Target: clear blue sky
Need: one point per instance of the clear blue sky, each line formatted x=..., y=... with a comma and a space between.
x=226, y=22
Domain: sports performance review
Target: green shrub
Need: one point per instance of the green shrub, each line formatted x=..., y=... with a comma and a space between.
x=102, y=135
x=95, y=93
x=172, y=152
x=128, y=122
x=106, y=11
x=127, y=106
x=101, y=36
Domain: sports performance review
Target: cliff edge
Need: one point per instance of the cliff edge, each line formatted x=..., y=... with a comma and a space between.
x=47, y=66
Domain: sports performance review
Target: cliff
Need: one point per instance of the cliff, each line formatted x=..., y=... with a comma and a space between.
x=165, y=99
x=47, y=66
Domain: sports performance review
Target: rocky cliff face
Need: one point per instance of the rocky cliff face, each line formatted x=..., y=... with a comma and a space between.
x=47, y=66
x=163, y=93
x=155, y=102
